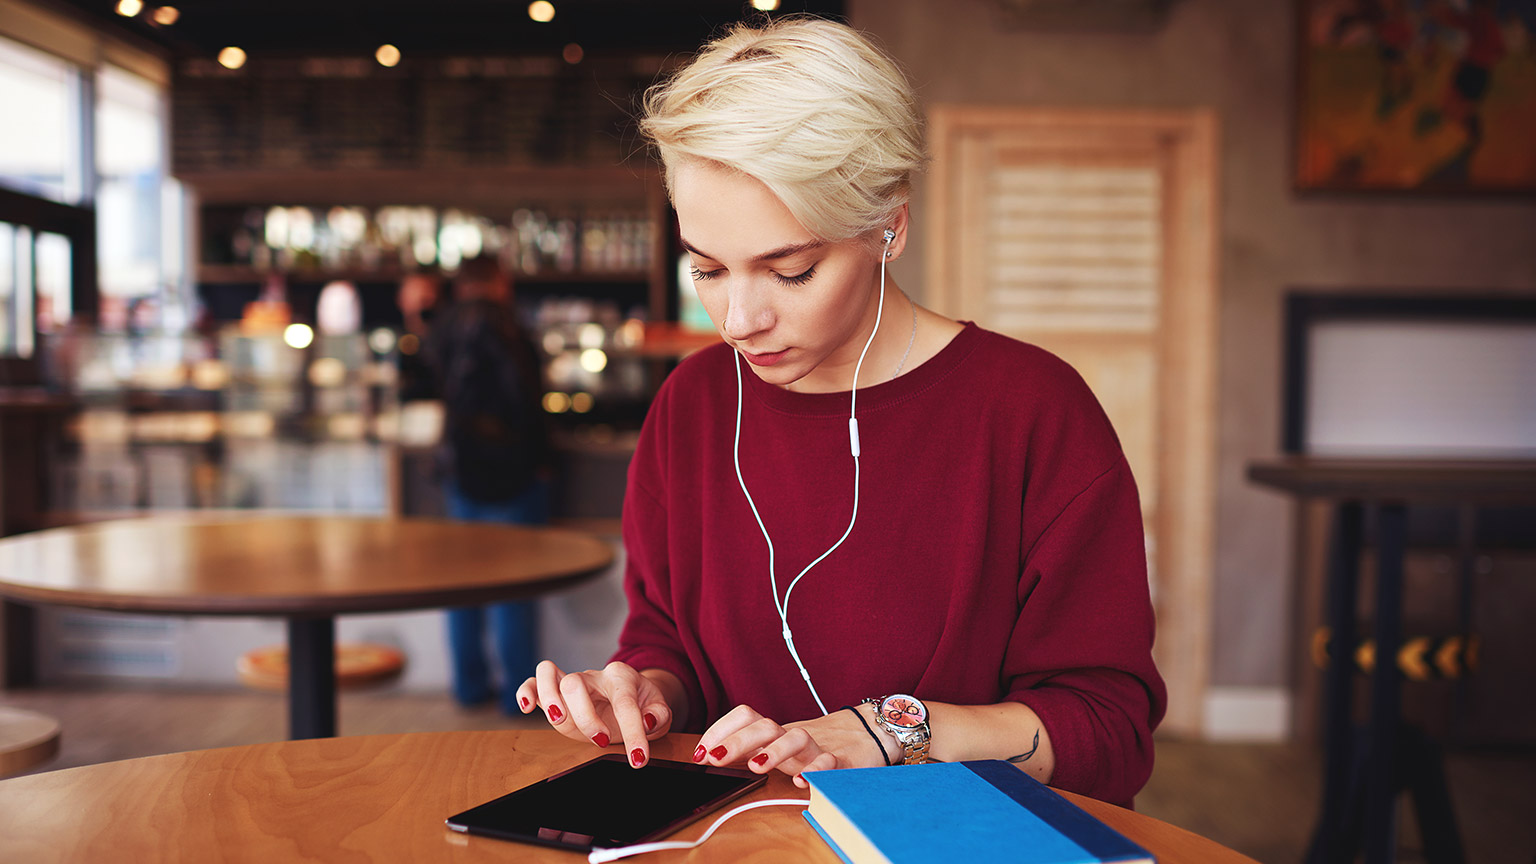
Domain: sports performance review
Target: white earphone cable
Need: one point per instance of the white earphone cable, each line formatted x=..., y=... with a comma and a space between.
x=853, y=435
x=598, y=856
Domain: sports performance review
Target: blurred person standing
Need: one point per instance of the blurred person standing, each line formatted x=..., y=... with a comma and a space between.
x=495, y=459
x=418, y=297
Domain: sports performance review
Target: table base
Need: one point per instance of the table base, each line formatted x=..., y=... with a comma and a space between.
x=311, y=677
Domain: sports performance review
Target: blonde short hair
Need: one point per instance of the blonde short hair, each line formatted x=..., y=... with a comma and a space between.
x=808, y=107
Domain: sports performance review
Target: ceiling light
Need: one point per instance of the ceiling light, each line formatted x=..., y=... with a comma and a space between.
x=165, y=16
x=231, y=58
x=387, y=55
x=572, y=53
x=129, y=8
x=765, y=5
x=541, y=11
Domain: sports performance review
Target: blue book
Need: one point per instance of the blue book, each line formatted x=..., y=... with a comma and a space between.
x=957, y=811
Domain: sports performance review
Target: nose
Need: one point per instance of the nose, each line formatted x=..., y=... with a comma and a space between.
x=747, y=311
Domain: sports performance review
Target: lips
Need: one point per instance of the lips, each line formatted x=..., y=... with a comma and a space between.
x=765, y=359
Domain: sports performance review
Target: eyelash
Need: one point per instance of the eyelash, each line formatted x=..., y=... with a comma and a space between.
x=798, y=279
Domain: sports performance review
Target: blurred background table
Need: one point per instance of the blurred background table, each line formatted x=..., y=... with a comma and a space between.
x=307, y=569
x=386, y=797
x=1364, y=772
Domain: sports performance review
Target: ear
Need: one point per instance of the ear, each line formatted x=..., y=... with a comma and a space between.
x=899, y=225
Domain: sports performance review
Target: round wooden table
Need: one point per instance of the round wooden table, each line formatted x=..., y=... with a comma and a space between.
x=385, y=797
x=307, y=569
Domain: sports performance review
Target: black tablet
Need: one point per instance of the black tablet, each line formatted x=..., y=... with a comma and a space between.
x=605, y=803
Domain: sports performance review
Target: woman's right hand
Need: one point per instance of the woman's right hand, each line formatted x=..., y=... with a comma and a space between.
x=598, y=704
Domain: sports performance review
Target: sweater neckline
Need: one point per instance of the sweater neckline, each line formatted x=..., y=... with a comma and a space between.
x=873, y=396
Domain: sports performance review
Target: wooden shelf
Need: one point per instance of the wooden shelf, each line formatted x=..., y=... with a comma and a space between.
x=604, y=186
x=239, y=274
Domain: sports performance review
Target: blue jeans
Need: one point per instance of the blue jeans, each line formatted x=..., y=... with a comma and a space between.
x=514, y=626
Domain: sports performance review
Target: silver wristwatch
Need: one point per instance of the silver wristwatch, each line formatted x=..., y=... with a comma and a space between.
x=906, y=717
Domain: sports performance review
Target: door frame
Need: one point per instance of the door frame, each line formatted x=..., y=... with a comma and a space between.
x=1186, y=144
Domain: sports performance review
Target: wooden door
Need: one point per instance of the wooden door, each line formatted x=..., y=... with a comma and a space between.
x=1092, y=234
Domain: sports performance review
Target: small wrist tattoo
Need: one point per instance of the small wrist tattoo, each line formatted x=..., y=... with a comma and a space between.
x=1024, y=757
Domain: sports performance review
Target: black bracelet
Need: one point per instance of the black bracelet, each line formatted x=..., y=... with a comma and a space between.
x=879, y=745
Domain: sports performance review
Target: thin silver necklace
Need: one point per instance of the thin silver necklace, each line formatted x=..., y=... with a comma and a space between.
x=910, y=339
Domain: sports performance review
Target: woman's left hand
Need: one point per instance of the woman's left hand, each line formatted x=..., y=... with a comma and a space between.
x=837, y=740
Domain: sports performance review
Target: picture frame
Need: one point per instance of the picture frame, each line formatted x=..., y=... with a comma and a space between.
x=1416, y=96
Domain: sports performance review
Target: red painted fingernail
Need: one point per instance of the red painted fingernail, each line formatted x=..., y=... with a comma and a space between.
x=760, y=759
x=600, y=739
x=718, y=752
x=555, y=713
x=698, y=755
x=650, y=722
x=524, y=702
x=637, y=757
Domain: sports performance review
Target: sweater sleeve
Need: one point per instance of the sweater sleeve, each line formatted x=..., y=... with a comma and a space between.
x=1080, y=654
x=650, y=638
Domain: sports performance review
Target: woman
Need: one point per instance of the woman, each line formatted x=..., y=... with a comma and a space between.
x=974, y=540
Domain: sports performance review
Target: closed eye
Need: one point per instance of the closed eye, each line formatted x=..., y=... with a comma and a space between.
x=806, y=275
x=798, y=279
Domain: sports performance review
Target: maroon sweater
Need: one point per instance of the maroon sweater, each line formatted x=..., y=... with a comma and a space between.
x=998, y=553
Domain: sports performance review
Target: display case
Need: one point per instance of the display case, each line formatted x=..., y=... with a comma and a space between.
x=590, y=250
x=268, y=419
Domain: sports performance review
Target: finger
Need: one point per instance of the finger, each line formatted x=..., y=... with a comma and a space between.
x=655, y=713
x=747, y=740
x=528, y=695
x=656, y=717
x=824, y=762
x=575, y=692
x=710, y=742
x=622, y=684
x=791, y=753
x=548, y=676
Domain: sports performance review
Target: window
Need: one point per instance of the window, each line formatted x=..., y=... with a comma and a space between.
x=120, y=225
x=52, y=256
x=42, y=156
x=130, y=165
x=8, y=292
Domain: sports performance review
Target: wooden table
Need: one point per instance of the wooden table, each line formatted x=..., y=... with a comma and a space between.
x=384, y=798
x=1360, y=788
x=305, y=569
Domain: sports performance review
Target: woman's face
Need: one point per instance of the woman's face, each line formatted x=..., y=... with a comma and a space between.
x=797, y=309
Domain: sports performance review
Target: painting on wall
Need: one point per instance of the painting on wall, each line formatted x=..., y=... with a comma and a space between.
x=1417, y=95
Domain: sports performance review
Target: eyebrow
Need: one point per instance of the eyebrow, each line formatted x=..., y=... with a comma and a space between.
x=770, y=255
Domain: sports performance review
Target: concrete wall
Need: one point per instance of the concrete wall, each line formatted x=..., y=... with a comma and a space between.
x=1236, y=56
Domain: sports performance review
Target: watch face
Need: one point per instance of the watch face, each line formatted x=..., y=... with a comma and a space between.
x=903, y=711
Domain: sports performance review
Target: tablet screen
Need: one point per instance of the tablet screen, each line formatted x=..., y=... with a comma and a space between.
x=605, y=803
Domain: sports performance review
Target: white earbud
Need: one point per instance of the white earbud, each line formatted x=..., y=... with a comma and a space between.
x=853, y=447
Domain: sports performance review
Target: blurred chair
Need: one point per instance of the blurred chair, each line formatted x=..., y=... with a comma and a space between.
x=361, y=664
x=27, y=740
